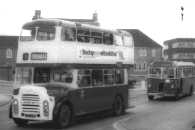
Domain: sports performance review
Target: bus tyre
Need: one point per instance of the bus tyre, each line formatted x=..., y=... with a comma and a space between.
x=64, y=116
x=191, y=91
x=20, y=122
x=150, y=97
x=118, y=107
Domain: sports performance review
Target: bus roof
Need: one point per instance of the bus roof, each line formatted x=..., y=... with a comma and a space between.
x=55, y=22
x=171, y=64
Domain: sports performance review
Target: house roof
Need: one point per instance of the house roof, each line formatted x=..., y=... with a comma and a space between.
x=141, y=39
x=9, y=40
x=179, y=40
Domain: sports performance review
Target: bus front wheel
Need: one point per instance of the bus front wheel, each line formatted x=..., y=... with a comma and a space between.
x=64, y=116
x=20, y=122
x=118, y=107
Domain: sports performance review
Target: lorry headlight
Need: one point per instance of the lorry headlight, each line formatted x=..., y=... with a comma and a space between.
x=15, y=106
x=16, y=91
x=51, y=99
x=45, y=108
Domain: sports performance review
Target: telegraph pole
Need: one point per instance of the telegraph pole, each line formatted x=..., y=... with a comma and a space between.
x=182, y=14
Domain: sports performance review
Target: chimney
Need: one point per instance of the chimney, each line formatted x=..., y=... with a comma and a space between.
x=37, y=15
x=95, y=16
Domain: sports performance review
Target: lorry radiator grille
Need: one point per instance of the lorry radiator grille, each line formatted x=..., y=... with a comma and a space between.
x=30, y=104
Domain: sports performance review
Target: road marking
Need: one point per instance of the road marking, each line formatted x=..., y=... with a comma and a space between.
x=119, y=125
x=6, y=122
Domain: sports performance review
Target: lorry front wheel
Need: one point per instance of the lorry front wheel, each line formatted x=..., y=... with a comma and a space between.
x=20, y=122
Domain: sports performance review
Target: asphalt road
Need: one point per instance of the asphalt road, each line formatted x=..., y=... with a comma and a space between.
x=166, y=114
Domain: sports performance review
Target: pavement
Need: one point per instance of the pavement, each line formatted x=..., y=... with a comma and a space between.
x=5, y=92
x=4, y=99
x=139, y=86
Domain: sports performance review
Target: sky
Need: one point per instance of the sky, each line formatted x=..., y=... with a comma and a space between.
x=158, y=19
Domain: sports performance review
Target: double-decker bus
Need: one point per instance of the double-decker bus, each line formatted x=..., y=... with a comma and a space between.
x=66, y=69
x=170, y=79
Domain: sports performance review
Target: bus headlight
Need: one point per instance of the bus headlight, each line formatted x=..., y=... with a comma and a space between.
x=45, y=108
x=149, y=85
x=172, y=86
x=167, y=81
x=15, y=106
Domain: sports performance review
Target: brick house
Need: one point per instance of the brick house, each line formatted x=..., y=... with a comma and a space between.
x=146, y=50
x=8, y=51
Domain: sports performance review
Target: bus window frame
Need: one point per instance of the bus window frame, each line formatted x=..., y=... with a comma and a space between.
x=188, y=72
x=123, y=76
x=96, y=38
x=47, y=33
x=97, y=82
x=74, y=33
x=118, y=40
x=32, y=37
x=178, y=72
x=84, y=37
x=130, y=43
x=157, y=74
x=114, y=84
x=108, y=40
x=38, y=69
x=112, y=74
x=60, y=72
x=31, y=75
x=81, y=75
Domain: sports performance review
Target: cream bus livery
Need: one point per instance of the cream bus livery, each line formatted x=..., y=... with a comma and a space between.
x=66, y=69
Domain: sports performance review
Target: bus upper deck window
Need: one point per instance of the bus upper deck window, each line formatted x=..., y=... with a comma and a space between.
x=128, y=41
x=28, y=34
x=118, y=40
x=45, y=33
x=83, y=35
x=108, y=38
x=68, y=34
x=96, y=36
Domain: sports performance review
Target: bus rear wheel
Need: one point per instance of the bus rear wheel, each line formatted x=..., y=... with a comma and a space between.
x=150, y=97
x=118, y=107
x=20, y=122
x=64, y=116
